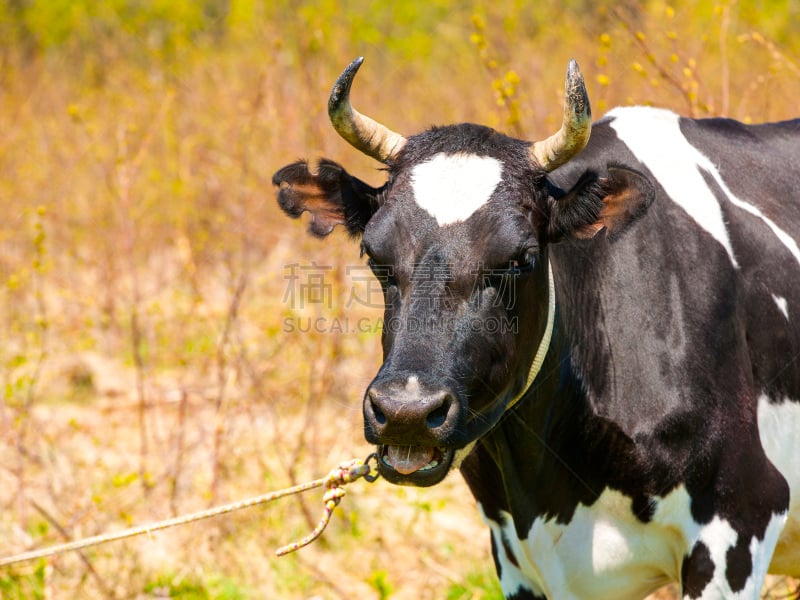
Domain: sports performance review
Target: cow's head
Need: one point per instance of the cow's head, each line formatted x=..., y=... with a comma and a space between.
x=458, y=237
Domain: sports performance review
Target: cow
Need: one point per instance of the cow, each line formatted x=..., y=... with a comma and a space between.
x=600, y=330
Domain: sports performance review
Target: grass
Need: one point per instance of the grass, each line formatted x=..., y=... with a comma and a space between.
x=149, y=365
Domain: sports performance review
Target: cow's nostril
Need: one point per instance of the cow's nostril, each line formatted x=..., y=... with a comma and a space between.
x=380, y=416
x=438, y=416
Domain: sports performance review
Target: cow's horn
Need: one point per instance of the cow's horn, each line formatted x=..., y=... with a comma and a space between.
x=366, y=135
x=575, y=129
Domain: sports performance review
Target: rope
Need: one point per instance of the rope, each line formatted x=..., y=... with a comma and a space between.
x=346, y=472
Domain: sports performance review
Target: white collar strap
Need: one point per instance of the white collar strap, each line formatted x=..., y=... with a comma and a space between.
x=544, y=343
x=536, y=365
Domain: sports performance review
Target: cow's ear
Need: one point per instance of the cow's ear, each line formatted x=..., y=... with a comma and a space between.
x=600, y=204
x=332, y=196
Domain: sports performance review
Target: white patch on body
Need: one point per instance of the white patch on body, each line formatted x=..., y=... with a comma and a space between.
x=512, y=578
x=718, y=536
x=453, y=186
x=784, y=237
x=783, y=306
x=654, y=136
x=763, y=552
x=778, y=427
x=606, y=553
x=673, y=513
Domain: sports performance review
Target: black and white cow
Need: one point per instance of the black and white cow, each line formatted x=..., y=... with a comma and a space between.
x=602, y=332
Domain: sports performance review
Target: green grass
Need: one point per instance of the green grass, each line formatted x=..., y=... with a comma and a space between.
x=480, y=585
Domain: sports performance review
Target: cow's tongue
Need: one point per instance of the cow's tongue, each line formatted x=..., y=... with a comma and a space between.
x=408, y=459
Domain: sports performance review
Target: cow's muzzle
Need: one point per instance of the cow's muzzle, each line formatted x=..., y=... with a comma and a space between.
x=413, y=427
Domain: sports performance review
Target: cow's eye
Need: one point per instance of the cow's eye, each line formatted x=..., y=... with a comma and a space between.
x=500, y=275
x=523, y=263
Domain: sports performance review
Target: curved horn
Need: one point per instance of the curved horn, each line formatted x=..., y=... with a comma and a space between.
x=366, y=135
x=575, y=128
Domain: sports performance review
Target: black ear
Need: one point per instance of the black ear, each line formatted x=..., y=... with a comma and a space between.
x=598, y=204
x=331, y=196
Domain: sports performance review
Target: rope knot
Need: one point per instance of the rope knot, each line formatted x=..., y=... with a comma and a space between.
x=333, y=496
x=343, y=474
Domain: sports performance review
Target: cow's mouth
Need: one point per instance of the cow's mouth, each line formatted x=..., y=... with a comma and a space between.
x=414, y=465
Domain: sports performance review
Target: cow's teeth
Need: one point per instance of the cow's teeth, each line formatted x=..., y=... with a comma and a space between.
x=435, y=462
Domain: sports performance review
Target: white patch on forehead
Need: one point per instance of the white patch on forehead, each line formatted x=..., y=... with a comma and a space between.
x=783, y=306
x=453, y=186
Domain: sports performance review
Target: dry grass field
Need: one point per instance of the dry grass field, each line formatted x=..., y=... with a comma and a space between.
x=171, y=342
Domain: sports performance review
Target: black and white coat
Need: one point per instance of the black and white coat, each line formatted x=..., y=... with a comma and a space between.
x=660, y=438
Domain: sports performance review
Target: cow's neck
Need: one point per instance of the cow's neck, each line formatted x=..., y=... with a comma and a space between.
x=544, y=342
x=549, y=455
x=540, y=443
